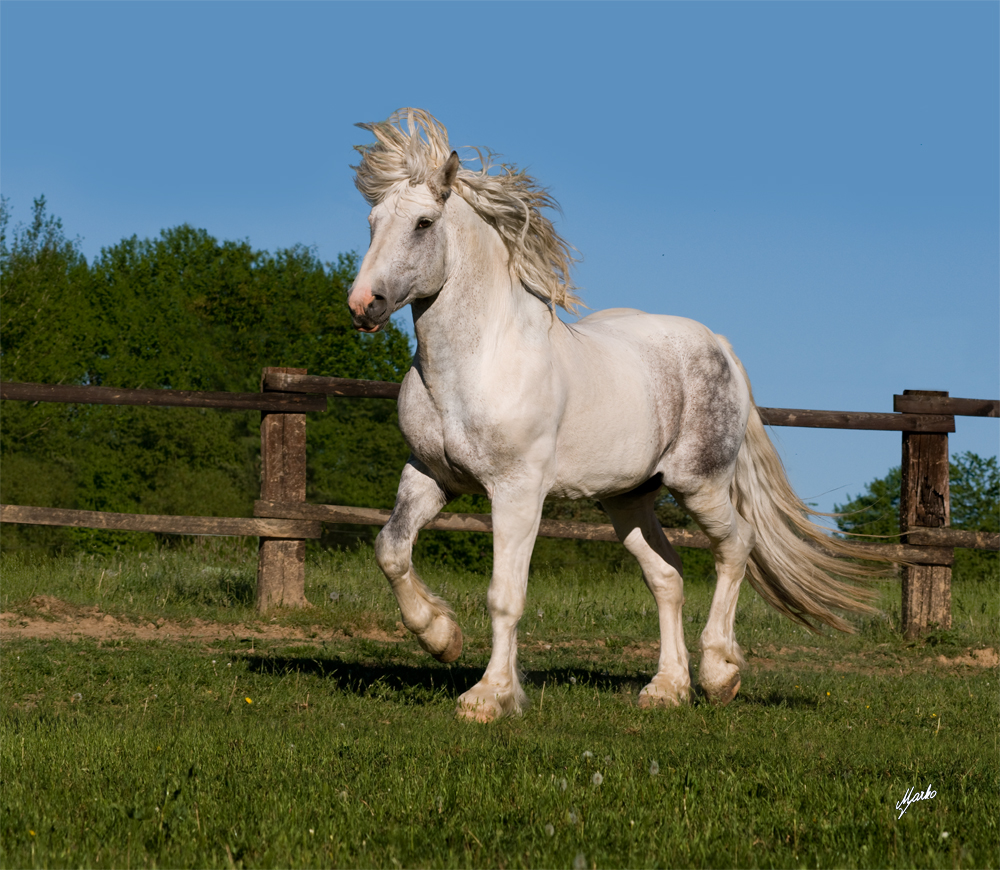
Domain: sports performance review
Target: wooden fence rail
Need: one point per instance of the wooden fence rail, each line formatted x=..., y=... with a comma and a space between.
x=283, y=521
x=70, y=394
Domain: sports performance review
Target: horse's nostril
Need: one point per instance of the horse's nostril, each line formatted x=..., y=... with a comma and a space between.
x=377, y=306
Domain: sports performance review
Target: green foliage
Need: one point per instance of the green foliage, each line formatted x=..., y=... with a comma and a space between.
x=874, y=512
x=975, y=493
x=974, y=483
x=182, y=311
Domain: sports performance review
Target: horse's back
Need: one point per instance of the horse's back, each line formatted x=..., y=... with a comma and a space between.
x=637, y=325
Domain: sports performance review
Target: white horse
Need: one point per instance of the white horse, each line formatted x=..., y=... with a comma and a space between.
x=505, y=399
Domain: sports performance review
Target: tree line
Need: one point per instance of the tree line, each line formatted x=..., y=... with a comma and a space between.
x=189, y=312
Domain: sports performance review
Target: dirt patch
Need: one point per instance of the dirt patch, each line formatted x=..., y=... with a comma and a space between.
x=47, y=618
x=975, y=658
x=874, y=661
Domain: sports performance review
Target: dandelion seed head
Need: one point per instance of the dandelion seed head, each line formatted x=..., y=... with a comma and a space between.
x=572, y=817
x=654, y=768
x=597, y=778
x=587, y=755
x=607, y=760
x=580, y=861
x=563, y=785
x=550, y=830
x=573, y=680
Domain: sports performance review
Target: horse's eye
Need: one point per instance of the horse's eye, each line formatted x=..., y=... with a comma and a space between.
x=423, y=223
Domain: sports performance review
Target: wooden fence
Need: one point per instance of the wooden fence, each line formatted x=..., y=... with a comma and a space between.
x=283, y=521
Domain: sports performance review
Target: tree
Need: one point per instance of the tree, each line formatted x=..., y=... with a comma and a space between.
x=974, y=483
x=182, y=311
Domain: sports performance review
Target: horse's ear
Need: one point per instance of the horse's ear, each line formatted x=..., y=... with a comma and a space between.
x=444, y=178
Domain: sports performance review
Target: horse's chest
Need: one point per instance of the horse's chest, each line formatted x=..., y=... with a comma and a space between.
x=448, y=442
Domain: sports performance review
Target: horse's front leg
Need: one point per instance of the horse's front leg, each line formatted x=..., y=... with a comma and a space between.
x=418, y=500
x=515, y=525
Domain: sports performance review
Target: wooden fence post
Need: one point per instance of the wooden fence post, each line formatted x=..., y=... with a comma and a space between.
x=924, y=502
x=281, y=563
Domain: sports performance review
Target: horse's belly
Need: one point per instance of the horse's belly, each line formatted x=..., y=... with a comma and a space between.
x=610, y=453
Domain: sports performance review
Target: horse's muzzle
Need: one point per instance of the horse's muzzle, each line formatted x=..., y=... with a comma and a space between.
x=374, y=316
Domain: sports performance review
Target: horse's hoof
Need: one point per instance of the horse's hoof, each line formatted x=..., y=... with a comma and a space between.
x=480, y=713
x=649, y=700
x=478, y=710
x=454, y=648
x=722, y=696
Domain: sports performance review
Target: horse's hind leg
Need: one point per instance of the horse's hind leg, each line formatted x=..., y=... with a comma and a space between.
x=639, y=530
x=732, y=540
x=419, y=498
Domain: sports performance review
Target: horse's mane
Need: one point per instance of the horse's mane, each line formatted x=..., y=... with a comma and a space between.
x=510, y=201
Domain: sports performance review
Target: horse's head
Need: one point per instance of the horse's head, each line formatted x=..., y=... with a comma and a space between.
x=406, y=257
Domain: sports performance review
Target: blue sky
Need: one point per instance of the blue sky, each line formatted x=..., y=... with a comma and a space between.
x=817, y=181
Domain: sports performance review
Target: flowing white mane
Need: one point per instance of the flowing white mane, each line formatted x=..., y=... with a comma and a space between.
x=510, y=201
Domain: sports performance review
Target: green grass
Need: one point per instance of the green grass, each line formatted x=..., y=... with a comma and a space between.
x=127, y=753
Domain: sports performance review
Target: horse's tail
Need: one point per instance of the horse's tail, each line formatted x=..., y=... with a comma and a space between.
x=795, y=564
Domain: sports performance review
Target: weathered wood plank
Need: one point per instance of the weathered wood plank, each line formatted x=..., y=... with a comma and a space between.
x=168, y=525
x=455, y=522
x=884, y=422
x=76, y=394
x=926, y=598
x=342, y=387
x=281, y=564
x=954, y=538
x=919, y=421
x=925, y=502
x=907, y=553
x=916, y=404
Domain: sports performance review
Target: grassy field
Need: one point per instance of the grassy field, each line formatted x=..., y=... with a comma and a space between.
x=150, y=719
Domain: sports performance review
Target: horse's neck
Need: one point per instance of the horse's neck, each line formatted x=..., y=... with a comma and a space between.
x=481, y=320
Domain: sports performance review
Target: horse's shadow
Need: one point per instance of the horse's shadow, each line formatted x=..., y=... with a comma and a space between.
x=425, y=684
x=364, y=678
